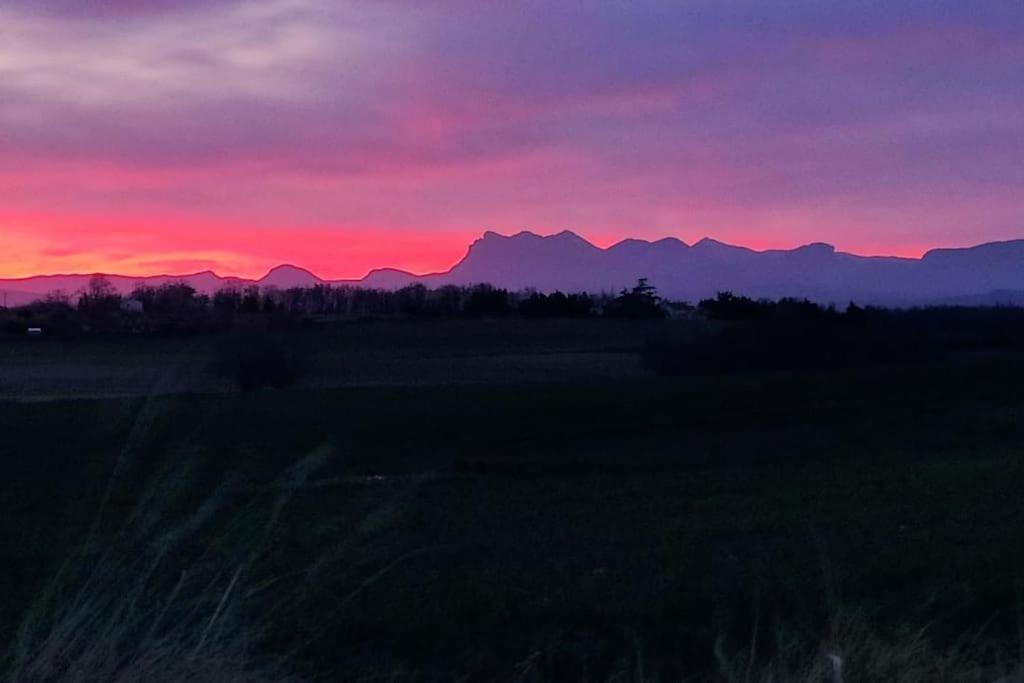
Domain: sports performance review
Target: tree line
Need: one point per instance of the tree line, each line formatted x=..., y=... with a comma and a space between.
x=178, y=306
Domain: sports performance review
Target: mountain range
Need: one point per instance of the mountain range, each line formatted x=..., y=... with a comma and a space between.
x=991, y=273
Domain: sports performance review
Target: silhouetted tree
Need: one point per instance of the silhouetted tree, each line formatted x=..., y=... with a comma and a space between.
x=486, y=300
x=170, y=298
x=855, y=313
x=448, y=300
x=99, y=295
x=58, y=297
x=640, y=302
x=556, y=305
x=226, y=303
x=728, y=306
x=99, y=304
x=412, y=300
x=250, y=302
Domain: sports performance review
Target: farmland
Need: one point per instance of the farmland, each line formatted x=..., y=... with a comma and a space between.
x=522, y=501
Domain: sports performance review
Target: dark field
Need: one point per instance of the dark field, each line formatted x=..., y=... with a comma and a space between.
x=345, y=354
x=520, y=501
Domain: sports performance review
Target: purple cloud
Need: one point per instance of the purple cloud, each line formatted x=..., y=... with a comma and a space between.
x=855, y=123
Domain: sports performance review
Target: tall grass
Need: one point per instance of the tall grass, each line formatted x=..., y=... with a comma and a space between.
x=179, y=592
x=161, y=601
x=855, y=650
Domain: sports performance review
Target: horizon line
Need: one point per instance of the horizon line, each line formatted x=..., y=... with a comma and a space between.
x=486, y=233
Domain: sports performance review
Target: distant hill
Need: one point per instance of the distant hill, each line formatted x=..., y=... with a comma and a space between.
x=287, y=277
x=988, y=273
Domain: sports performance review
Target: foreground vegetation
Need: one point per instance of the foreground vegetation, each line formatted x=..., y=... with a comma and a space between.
x=742, y=524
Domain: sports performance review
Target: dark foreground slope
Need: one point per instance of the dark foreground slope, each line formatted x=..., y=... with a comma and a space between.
x=569, y=530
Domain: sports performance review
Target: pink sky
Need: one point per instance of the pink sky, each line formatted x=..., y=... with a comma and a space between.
x=342, y=136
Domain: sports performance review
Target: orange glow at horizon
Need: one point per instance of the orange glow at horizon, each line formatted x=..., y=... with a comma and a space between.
x=145, y=138
x=31, y=247
x=38, y=245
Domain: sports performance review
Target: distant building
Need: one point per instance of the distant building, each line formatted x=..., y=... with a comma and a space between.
x=680, y=311
x=133, y=306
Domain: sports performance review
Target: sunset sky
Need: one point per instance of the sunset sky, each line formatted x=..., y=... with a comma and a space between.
x=151, y=136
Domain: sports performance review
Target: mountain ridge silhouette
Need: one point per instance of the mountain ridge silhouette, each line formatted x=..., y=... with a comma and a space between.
x=566, y=261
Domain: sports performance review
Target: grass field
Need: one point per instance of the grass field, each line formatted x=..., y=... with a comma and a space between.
x=449, y=515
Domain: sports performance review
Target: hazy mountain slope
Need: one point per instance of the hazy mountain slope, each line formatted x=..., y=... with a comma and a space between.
x=287, y=277
x=567, y=262
x=564, y=261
